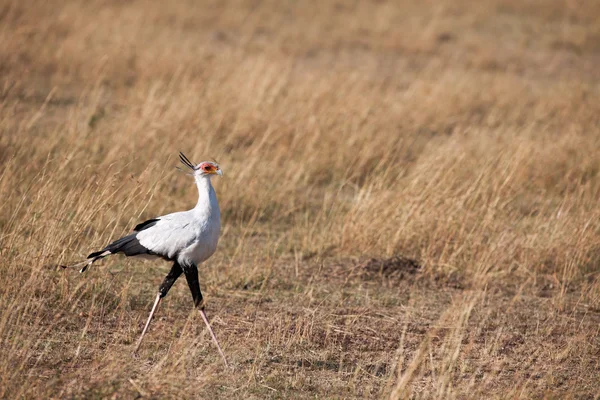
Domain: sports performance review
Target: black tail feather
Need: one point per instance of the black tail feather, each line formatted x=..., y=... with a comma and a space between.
x=129, y=245
x=96, y=253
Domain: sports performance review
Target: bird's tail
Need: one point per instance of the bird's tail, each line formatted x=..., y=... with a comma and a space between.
x=92, y=258
x=127, y=244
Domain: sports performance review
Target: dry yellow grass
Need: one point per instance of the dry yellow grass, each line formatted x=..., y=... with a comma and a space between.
x=410, y=200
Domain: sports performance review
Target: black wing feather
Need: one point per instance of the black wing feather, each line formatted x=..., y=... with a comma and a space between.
x=146, y=224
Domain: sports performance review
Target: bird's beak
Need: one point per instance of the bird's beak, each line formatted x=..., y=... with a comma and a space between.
x=217, y=171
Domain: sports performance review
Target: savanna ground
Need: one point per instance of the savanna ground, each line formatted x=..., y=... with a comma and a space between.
x=410, y=203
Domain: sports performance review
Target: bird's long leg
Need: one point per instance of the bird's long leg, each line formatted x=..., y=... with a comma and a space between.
x=154, y=307
x=212, y=335
x=191, y=275
x=170, y=279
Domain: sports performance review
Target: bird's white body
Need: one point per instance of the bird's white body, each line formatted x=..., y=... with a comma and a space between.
x=187, y=236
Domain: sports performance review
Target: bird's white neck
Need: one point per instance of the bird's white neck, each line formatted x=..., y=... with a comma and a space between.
x=207, y=198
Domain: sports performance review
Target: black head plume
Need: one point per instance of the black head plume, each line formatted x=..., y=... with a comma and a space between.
x=186, y=161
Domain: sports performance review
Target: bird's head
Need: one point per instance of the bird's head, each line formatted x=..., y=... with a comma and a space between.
x=204, y=169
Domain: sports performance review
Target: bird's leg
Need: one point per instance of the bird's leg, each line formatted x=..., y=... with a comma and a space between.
x=191, y=275
x=154, y=307
x=170, y=279
x=212, y=334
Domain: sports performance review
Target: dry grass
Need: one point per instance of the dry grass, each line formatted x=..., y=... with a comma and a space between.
x=410, y=201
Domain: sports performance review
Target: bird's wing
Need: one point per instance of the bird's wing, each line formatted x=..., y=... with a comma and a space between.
x=168, y=235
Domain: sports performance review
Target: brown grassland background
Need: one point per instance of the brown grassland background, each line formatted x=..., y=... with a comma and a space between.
x=410, y=203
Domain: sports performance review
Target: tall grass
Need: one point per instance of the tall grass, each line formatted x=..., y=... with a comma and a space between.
x=462, y=136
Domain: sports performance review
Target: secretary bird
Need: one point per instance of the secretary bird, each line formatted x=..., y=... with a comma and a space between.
x=186, y=238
